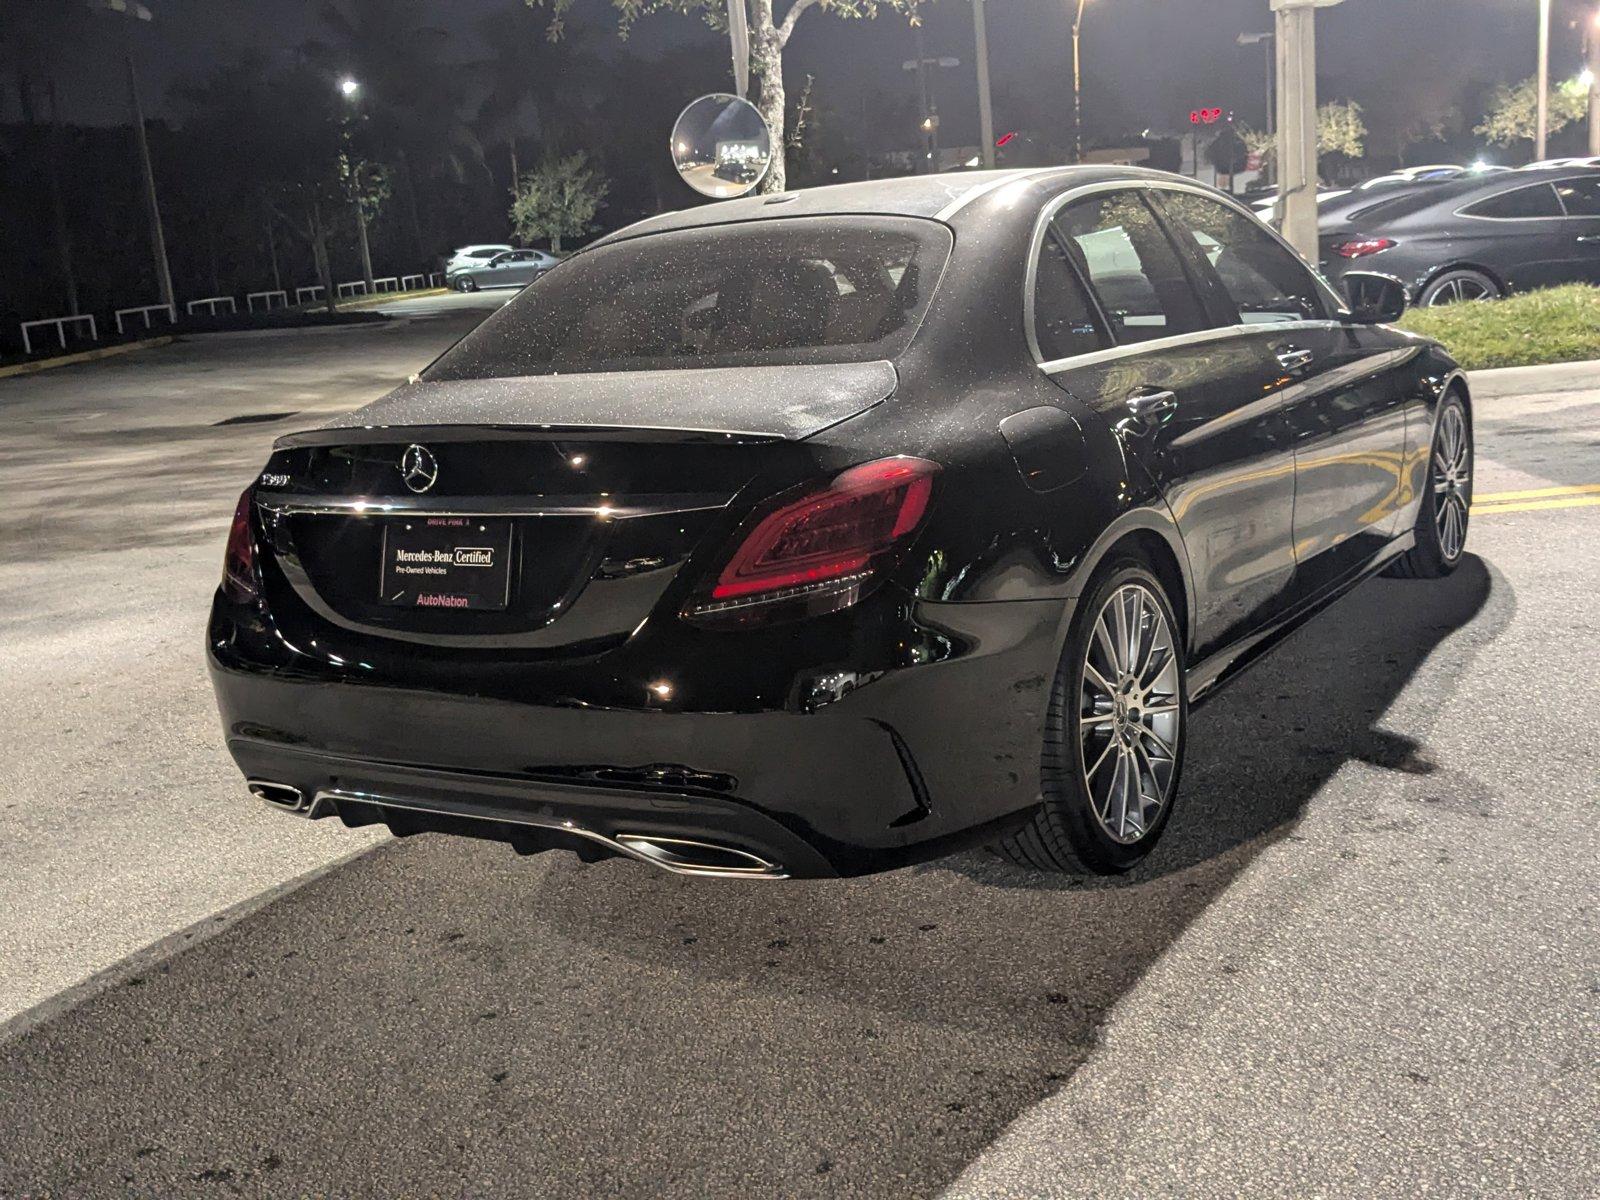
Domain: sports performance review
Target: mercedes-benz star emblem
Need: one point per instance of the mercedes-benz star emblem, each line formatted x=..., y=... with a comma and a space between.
x=419, y=468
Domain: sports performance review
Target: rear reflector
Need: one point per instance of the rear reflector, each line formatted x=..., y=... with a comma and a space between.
x=1361, y=247
x=814, y=553
x=239, y=560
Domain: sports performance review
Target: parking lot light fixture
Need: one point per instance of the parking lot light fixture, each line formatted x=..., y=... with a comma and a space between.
x=348, y=87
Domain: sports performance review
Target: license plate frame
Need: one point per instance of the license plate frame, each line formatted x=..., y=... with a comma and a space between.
x=445, y=562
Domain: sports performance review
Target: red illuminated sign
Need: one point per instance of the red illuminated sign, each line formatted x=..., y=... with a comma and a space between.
x=1004, y=138
x=1204, y=116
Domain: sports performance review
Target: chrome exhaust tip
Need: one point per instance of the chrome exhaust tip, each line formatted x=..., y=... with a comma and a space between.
x=290, y=799
x=685, y=856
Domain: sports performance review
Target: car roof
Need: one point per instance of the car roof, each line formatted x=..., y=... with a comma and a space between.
x=938, y=197
x=1455, y=193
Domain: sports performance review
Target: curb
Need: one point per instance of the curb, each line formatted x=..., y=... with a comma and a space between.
x=1542, y=379
x=67, y=360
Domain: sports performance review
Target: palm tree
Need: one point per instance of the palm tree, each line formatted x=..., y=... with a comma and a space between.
x=411, y=91
x=532, y=85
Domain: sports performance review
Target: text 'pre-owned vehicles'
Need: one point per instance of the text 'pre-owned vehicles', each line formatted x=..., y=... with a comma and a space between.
x=1475, y=238
x=814, y=533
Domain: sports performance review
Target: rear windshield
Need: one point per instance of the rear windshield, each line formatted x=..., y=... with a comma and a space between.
x=774, y=292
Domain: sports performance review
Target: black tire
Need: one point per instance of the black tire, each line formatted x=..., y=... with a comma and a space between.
x=1455, y=286
x=1435, y=554
x=467, y=284
x=1067, y=832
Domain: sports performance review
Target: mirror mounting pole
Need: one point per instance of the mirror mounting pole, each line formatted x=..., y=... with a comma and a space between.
x=739, y=40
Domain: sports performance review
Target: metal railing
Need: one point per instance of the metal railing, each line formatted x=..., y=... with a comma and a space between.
x=392, y=280
x=315, y=291
x=143, y=311
x=407, y=284
x=211, y=303
x=350, y=289
x=266, y=300
x=61, y=324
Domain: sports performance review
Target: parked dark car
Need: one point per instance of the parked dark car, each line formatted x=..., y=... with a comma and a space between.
x=511, y=269
x=1478, y=238
x=819, y=533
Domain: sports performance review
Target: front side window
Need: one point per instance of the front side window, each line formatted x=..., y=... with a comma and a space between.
x=1265, y=281
x=774, y=292
x=1580, y=197
x=1132, y=267
x=1064, y=322
x=1537, y=200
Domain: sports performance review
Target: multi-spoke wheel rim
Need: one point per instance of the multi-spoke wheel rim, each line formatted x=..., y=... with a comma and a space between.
x=1129, y=716
x=1452, y=482
x=1463, y=287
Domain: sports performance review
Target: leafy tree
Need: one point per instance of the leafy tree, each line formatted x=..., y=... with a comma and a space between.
x=769, y=35
x=558, y=199
x=1513, y=113
x=1340, y=130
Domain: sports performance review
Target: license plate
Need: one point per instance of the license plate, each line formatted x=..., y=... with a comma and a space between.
x=446, y=562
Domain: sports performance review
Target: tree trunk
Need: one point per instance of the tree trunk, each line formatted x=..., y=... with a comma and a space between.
x=319, y=252
x=408, y=191
x=514, y=171
x=58, y=209
x=766, y=64
x=555, y=243
x=366, y=249
x=272, y=248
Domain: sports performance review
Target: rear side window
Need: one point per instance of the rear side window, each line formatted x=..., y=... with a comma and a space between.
x=772, y=292
x=1064, y=322
x=1265, y=282
x=1133, y=269
x=1580, y=197
x=1537, y=200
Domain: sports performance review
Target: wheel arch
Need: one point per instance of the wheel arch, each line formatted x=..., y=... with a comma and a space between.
x=1150, y=535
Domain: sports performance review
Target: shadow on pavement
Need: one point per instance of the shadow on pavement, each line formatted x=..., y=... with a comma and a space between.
x=443, y=1018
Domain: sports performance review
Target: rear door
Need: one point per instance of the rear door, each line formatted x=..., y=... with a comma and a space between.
x=1185, y=390
x=1335, y=383
x=1580, y=198
x=1523, y=235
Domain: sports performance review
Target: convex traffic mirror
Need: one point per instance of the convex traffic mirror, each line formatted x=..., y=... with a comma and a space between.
x=721, y=146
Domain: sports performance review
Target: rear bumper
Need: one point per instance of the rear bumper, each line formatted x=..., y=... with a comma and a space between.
x=898, y=765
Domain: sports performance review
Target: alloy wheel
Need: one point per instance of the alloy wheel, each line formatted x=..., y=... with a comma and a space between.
x=1462, y=287
x=1129, y=713
x=1452, y=482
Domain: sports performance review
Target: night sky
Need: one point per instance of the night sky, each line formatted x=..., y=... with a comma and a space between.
x=1147, y=62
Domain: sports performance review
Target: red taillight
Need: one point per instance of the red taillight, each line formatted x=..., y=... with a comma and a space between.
x=239, y=560
x=813, y=554
x=1361, y=247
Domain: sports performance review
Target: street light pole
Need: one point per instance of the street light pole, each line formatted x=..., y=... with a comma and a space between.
x=1267, y=41
x=1077, y=84
x=1542, y=122
x=980, y=39
x=1296, y=35
x=158, y=239
x=1591, y=58
x=134, y=11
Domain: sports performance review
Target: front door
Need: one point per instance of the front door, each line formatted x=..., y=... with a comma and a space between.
x=1189, y=395
x=1334, y=383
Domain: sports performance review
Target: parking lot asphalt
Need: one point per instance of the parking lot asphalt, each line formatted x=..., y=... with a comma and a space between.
x=1364, y=961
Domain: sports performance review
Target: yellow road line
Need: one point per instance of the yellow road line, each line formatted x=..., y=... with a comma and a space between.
x=1483, y=510
x=1577, y=489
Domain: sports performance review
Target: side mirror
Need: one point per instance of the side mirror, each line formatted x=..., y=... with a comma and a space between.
x=1374, y=299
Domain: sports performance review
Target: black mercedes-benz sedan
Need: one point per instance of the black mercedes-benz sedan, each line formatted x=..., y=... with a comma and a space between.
x=1475, y=238
x=817, y=533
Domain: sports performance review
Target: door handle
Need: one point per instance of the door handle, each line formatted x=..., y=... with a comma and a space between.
x=1151, y=404
x=1292, y=358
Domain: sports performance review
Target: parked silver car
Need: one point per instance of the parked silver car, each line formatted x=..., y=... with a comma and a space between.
x=512, y=269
